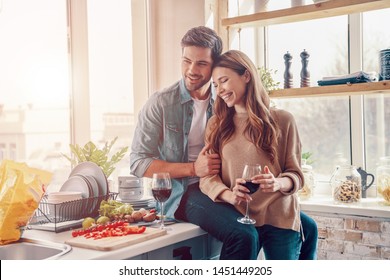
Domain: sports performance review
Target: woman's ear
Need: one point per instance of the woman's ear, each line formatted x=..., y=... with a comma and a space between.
x=247, y=76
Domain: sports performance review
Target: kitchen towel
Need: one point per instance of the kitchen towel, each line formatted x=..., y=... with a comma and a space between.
x=357, y=77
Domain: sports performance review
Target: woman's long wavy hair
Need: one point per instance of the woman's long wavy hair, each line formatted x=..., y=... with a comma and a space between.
x=261, y=128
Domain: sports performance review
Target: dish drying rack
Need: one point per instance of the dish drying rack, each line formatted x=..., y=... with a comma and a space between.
x=66, y=215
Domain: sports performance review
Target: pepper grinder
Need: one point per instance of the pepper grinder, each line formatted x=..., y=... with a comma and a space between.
x=288, y=76
x=305, y=74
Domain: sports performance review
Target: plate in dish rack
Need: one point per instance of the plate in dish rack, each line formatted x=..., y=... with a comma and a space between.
x=93, y=184
x=89, y=168
x=77, y=184
x=91, y=181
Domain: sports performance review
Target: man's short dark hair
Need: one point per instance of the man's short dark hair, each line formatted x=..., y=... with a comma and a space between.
x=205, y=37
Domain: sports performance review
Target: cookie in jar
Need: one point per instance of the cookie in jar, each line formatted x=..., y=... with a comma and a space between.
x=346, y=185
x=383, y=179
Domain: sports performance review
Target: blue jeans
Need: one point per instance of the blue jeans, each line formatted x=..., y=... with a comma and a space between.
x=310, y=238
x=239, y=241
x=278, y=243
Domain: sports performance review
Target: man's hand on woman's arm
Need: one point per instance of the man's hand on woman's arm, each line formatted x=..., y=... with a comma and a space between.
x=205, y=164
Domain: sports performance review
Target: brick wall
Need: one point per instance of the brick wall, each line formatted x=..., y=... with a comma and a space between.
x=342, y=237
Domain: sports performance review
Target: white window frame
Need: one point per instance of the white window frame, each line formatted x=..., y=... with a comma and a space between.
x=79, y=66
x=356, y=102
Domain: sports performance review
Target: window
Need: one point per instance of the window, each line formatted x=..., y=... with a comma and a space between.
x=376, y=107
x=111, y=75
x=37, y=123
x=2, y=151
x=34, y=84
x=331, y=128
x=329, y=138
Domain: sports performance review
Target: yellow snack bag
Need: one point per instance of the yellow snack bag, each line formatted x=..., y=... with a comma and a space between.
x=21, y=189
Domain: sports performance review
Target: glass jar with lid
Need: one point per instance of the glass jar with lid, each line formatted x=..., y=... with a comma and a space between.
x=308, y=188
x=346, y=184
x=383, y=179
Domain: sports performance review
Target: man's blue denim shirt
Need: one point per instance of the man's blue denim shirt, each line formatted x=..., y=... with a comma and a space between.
x=162, y=133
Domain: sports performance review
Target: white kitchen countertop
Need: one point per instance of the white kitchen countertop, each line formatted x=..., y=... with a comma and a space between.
x=178, y=233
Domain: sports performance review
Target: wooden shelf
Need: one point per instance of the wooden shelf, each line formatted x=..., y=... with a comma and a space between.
x=336, y=90
x=318, y=10
x=307, y=12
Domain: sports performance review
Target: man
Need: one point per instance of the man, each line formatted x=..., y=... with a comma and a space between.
x=169, y=137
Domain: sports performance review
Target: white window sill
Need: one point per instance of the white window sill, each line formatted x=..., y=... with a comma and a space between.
x=368, y=207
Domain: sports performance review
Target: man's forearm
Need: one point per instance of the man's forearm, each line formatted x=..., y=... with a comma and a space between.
x=175, y=169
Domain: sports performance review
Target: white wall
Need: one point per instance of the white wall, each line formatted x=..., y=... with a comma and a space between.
x=169, y=21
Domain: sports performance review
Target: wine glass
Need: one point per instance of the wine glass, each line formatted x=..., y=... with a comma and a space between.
x=161, y=190
x=247, y=174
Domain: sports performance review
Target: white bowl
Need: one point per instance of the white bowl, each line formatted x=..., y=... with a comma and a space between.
x=129, y=182
x=65, y=210
x=64, y=205
x=65, y=193
x=131, y=193
x=130, y=188
x=54, y=201
x=64, y=196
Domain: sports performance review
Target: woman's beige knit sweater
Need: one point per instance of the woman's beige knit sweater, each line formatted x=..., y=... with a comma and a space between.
x=277, y=209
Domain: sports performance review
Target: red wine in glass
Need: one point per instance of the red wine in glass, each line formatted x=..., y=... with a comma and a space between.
x=161, y=195
x=249, y=172
x=252, y=187
x=161, y=189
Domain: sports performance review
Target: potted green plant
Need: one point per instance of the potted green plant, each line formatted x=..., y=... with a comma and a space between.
x=307, y=157
x=266, y=78
x=102, y=157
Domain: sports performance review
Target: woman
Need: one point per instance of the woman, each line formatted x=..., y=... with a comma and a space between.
x=244, y=129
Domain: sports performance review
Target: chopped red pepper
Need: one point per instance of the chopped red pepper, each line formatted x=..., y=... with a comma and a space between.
x=118, y=228
x=141, y=229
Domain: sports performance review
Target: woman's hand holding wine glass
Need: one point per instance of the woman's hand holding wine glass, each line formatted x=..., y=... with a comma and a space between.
x=249, y=172
x=161, y=189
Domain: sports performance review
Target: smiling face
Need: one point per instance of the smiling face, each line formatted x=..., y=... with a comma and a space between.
x=196, y=68
x=230, y=86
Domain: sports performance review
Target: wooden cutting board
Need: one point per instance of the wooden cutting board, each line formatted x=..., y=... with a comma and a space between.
x=113, y=243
